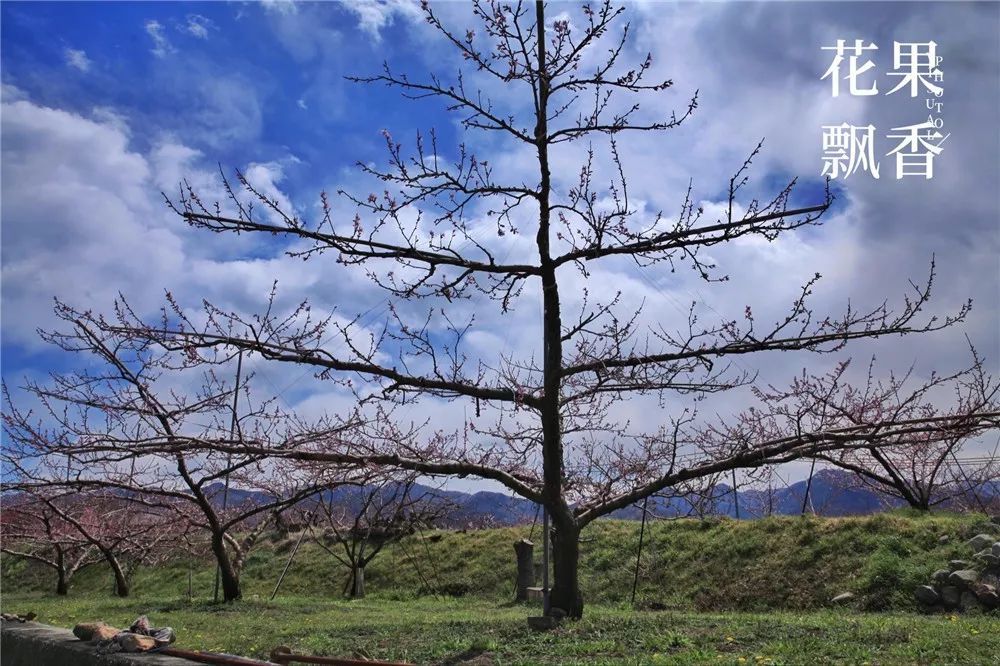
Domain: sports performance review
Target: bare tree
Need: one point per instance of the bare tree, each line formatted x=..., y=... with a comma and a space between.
x=128, y=425
x=357, y=524
x=914, y=467
x=547, y=429
x=125, y=532
x=33, y=530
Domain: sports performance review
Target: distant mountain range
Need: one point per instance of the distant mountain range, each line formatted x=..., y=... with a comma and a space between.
x=832, y=493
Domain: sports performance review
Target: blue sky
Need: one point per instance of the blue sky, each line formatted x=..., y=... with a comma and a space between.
x=222, y=70
x=107, y=104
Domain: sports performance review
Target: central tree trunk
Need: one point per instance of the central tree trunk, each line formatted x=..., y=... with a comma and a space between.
x=565, y=592
x=566, y=550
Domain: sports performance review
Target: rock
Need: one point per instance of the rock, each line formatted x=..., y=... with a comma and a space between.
x=87, y=631
x=979, y=542
x=963, y=577
x=927, y=595
x=104, y=633
x=941, y=575
x=542, y=622
x=955, y=565
x=968, y=601
x=996, y=549
x=944, y=538
x=15, y=617
x=984, y=587
x=988, y=558
x=842, y=598
x=84, y=630
x=136, y=643
x=995, y=519
x=950, y=596
x=990, y=579
x=987, y=595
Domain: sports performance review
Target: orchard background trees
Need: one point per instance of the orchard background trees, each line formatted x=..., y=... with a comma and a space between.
x=355, y=524
x=132, y=428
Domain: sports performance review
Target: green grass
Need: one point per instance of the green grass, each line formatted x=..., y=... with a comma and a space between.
x=778, y=563
x=756, y=591
x=445, y=631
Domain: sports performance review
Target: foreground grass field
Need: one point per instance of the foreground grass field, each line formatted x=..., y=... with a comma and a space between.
x=455, y=631
x=751, y=592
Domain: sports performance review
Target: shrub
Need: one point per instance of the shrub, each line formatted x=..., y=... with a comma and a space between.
x=888, y=579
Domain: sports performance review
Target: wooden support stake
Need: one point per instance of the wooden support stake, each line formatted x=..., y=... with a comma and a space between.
x=287, y=564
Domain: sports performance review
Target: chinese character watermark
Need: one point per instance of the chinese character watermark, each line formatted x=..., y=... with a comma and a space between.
x=853, y=71
x=921, y=62
x=916, y=152
x=853, y=145
x=848, y=149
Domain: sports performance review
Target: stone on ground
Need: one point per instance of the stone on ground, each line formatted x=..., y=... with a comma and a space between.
x=963, y=577
x=980, y=541
x=842, y=598
x=136, y=643
x=927, y=595
x=84, y=630
x=950, y=596
x=94, y=631
x=987, y=595
x=968, y=601
x=987, y=557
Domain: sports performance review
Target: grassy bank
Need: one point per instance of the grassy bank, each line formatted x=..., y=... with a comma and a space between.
x=454, y=631
x=776, y=563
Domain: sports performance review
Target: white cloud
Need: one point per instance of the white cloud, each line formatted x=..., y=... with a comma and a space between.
x=302, y=104
x=285, y=7
x=79, y=222
x=229, y=111
x=84, y=219
x=199, y=26
x=161, y=45
x=375, y=15
x=265, y=177
x=77, y=58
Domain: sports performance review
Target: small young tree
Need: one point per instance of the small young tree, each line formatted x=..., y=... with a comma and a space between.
x=354, y=524
x=550, y=431
x=32, y=529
